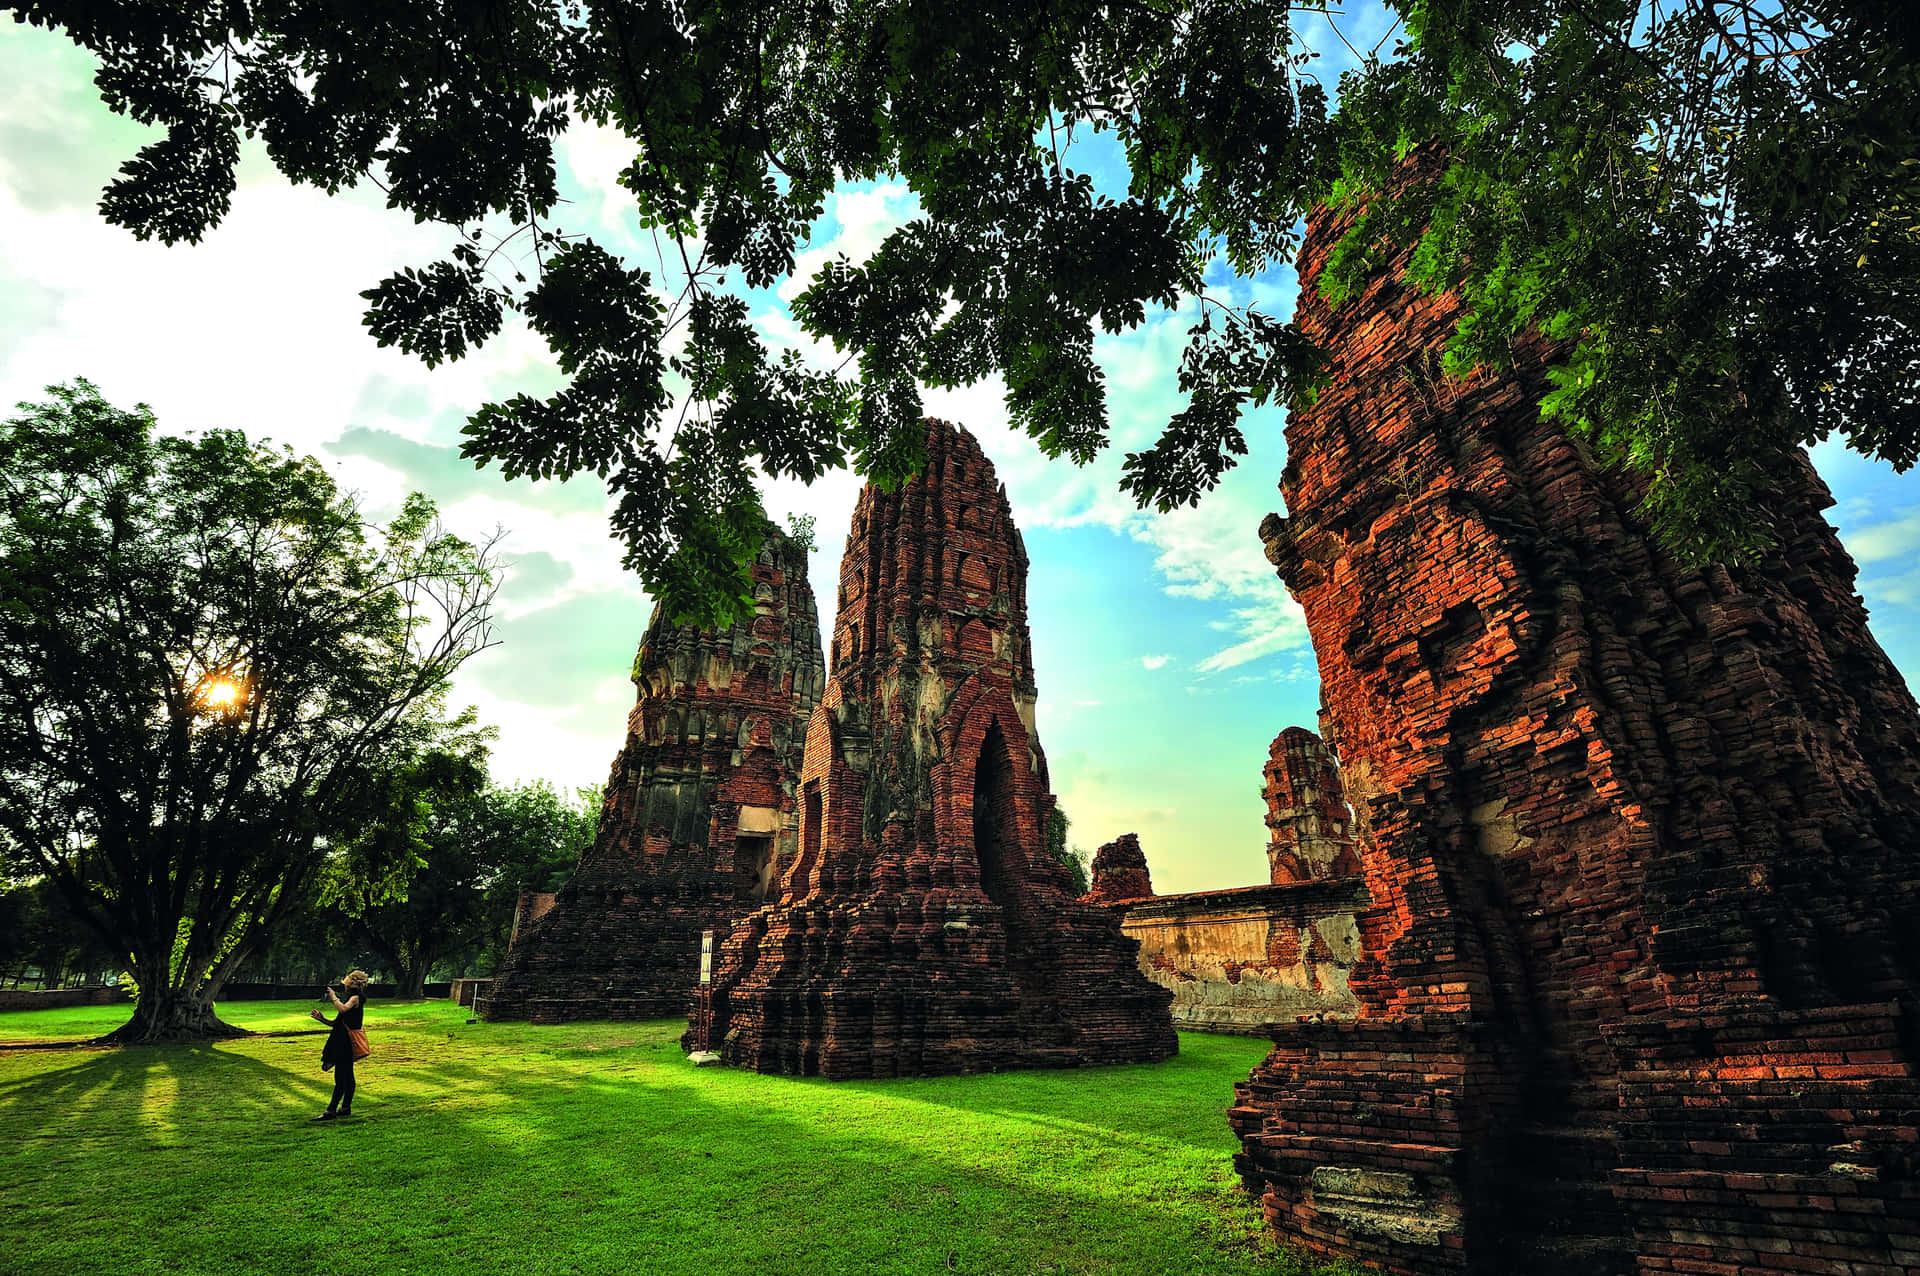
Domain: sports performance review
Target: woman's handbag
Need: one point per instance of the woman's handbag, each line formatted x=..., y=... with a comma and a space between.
x=360, y=1047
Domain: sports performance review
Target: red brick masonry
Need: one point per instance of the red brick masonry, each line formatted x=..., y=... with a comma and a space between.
x=1120, y=872
x=924, y=928
x=1642, y=844
x=699, y=812
x=1310, y=828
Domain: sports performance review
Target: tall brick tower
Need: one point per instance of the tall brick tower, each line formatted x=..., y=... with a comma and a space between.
x=1642, y=842
x=923, y=927
x=699, y=816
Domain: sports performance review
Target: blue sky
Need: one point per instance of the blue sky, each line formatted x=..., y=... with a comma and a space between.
x=1167, y=653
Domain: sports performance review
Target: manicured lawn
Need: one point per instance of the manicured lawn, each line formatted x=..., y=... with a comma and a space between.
x=596, y=1148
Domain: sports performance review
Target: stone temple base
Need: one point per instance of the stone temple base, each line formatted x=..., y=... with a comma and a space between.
x=607, y=954
x=922, y=984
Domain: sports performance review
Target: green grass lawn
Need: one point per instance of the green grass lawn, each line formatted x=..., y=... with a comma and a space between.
x=598, y=1148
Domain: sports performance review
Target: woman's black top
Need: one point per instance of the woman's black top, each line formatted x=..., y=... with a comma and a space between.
x=339, y=1047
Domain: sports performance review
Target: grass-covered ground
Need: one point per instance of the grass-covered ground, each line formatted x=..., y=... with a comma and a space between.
x=597, y=1148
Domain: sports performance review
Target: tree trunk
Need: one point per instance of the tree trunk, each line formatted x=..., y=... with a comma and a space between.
x=413, y=980
x=165, y=1013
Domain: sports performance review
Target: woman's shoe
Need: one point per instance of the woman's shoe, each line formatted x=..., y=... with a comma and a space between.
x=328, y=1116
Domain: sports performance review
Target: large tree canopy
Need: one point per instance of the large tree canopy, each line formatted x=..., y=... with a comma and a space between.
x=208, y=665
x=1715, y=203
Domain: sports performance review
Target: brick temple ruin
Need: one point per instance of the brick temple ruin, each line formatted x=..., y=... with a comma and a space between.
x=1639, y=847
x=699, y=817
x=1119, y=872
x=1248, y=958
x=923, y=928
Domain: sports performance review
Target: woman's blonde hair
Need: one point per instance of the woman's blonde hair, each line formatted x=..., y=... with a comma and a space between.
x=356, y=979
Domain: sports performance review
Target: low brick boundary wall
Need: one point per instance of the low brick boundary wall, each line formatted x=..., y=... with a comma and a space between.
x=58, y=998
x=311, y=992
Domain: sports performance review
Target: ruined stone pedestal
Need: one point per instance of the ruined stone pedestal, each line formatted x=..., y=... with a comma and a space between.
x=1642, y=845
x=699, y=814
x=1119, y=872
x=923, y=928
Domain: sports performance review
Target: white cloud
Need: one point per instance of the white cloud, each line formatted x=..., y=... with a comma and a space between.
x=1894, y=538
x=863, y=219
x=1151, y=663
x=1901, y=590
x=594, y=155
x=1265, y=630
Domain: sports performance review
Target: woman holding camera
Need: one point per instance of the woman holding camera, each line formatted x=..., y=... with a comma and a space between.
x=346, y=1043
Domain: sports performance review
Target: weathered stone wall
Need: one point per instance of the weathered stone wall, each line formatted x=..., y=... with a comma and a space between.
x=529, y=908
x=1599, y=796
x=463, y=992
x=698, y=817
x=1244, y=960
x=923, y=927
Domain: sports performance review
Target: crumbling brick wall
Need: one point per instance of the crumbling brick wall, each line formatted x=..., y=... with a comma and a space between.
x=1242, y=960
x=1599, y=795
x=698, y=817
x=1119, y=872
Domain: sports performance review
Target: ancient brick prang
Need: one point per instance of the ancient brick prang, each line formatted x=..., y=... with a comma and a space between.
x=1640, y=842
x=924, y=928
x=1120, y=872
x=1310, y=829
x=698, y=817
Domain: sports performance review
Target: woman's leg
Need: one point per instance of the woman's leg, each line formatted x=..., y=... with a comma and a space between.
x=343, y=1085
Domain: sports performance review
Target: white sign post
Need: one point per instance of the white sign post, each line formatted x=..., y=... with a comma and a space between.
x=703, y=1052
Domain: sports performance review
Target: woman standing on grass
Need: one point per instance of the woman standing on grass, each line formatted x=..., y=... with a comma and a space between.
x=341, y=1049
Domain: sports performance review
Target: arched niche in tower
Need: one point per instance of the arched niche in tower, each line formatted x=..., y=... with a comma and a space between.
x=996, y=823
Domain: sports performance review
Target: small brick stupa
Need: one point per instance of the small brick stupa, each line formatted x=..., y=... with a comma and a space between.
x=1642, y=844
x=699, y=816
x=924, y=928
x=1310, y=829
x=1120, y=872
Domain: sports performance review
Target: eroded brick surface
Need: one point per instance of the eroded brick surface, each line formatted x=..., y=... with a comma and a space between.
x=1119, y=872
x=1640, y=842
x=699, y=813
x=923, y=928
x=1310, y=828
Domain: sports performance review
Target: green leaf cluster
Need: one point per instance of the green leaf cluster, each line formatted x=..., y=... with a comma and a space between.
x=1711, y=205
x=435, y=878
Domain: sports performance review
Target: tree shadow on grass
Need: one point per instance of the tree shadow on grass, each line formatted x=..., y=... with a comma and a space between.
x=549, y=1150
x=700, y=1181
x=108, y=1091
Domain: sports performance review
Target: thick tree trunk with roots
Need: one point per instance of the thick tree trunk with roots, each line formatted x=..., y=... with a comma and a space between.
x=164, y=1012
